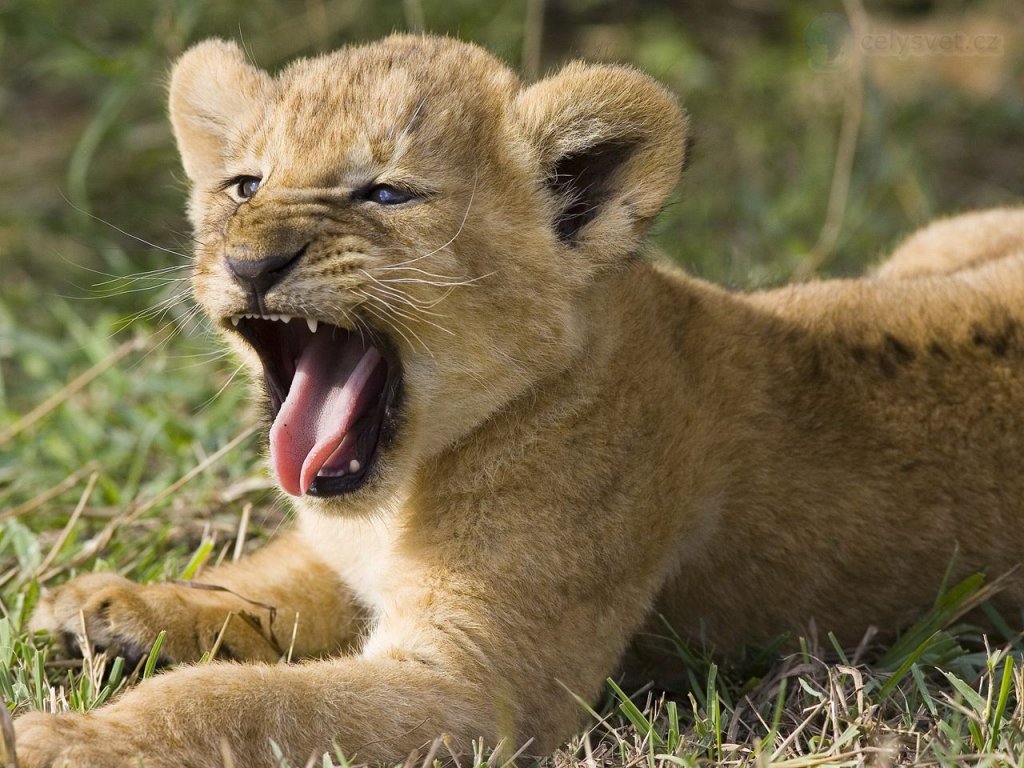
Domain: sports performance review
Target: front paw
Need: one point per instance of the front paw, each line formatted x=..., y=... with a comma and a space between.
x=184, y=718
x=122, y=618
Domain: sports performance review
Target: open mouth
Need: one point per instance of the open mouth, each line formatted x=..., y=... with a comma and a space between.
x=333, y=400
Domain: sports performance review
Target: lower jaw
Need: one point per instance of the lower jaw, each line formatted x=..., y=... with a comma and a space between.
x=365, y=503
x=339, y=486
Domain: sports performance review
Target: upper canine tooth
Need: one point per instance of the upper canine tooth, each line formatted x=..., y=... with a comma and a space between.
x=234, y=320
x=312, y=324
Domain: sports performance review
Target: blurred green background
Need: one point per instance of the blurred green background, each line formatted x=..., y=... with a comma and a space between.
x=90, y=175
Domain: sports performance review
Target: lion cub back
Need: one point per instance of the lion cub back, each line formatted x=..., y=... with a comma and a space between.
x=874, y=434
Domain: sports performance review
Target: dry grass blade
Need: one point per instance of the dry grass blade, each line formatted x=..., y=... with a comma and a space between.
x=104, y=536
x=62, y=539
x=295, y=635
x=50, y=493
x=8, y=757
x=428, y=759
x=514, y=758
x=219, y=640
x=265, y=631
x=70, y=389
x=780, y=750
x=208, y=462
x=243, y=527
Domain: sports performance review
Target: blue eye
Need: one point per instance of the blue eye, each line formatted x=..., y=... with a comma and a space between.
x=246, y=186
x=385, y=194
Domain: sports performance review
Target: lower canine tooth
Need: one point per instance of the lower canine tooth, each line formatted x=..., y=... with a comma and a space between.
x=353, y=466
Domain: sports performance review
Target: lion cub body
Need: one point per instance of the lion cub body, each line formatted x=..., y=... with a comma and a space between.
x=587, y=440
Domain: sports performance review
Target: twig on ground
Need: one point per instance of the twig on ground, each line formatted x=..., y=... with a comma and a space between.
x=533, y=38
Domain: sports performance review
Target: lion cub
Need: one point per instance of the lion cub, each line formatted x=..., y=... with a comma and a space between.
x=510, y=440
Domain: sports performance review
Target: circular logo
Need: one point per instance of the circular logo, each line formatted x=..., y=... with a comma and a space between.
x=827, y=39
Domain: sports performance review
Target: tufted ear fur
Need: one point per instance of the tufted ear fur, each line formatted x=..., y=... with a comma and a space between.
x=611, y=143
x=213, y=88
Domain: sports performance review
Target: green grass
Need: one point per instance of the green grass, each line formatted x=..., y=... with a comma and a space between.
x=118, y=469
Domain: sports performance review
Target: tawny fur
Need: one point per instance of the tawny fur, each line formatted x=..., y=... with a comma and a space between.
x=589, y=439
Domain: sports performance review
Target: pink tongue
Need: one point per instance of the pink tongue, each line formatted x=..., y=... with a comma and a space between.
x=327, y=396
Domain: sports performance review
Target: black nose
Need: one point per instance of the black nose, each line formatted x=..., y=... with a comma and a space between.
x=260, y=275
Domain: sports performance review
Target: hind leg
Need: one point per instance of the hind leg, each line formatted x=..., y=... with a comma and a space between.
x=958, y=243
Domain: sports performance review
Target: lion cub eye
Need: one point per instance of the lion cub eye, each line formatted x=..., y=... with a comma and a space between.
x=246, y=186
x=385, y=194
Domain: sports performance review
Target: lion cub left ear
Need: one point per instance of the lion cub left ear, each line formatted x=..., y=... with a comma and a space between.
x=611, y=144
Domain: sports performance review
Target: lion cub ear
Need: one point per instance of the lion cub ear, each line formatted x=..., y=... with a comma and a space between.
x=213, y=87
x=611, y=144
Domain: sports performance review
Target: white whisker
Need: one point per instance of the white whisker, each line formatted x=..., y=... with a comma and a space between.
x=462, y=225
x=125, y=232
x=387, y=316
x=406, y=298
x=213, y=398
x=388, y=322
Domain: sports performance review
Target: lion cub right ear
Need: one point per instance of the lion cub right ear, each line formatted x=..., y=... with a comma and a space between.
x=213, y=88
x=611, y=143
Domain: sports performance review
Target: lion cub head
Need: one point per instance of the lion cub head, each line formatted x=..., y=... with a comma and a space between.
x=399, y=237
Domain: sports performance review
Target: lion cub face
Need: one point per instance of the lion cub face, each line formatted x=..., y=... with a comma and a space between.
x=399, y=237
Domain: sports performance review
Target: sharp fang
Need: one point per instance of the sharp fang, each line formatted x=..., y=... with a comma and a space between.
x=312, y=324
x=234, y=320
x=353, y=466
